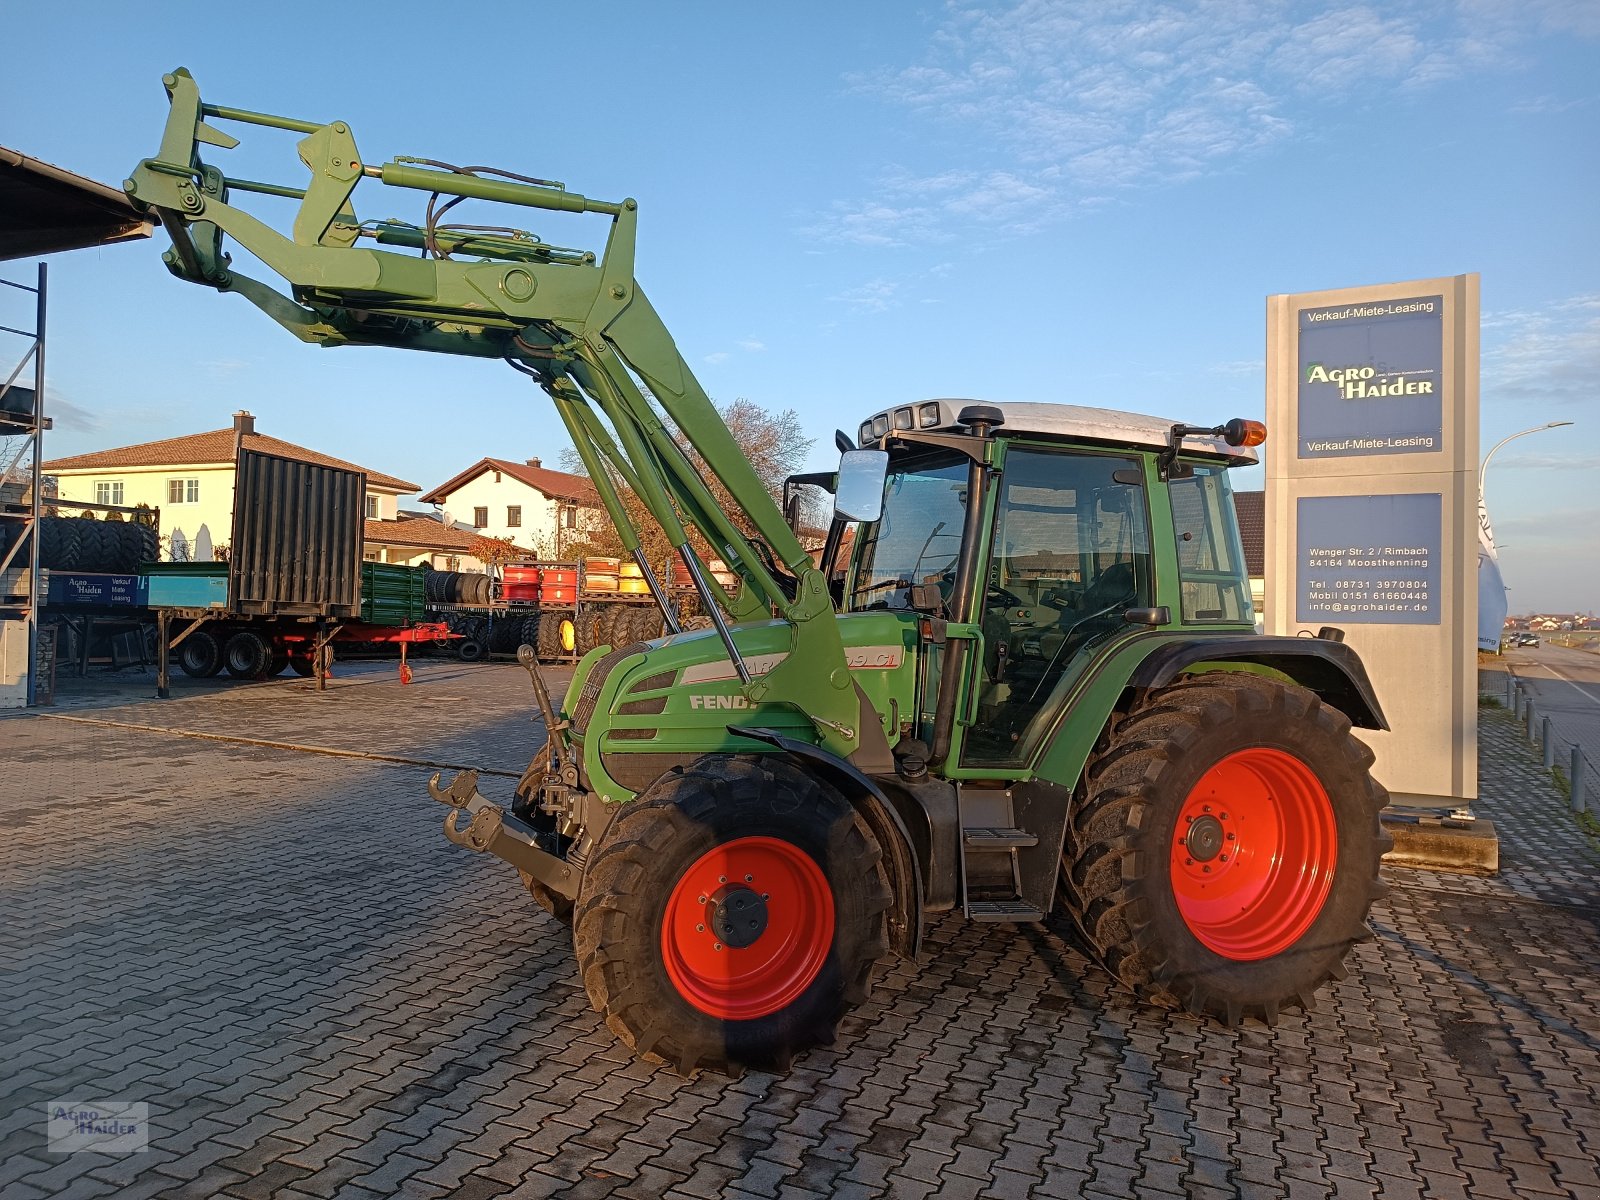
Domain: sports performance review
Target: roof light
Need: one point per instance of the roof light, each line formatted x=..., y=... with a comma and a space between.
x=928, y=415
x=1239, y=432
x=865, y=433
x=903, y=419
x=880, y=425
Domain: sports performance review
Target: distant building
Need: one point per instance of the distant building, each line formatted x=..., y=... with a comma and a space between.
x=526, y=503
x=413, y=540
x=190, y=480
x=1251, y=509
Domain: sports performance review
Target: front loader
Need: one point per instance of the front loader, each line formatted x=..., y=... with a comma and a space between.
x=1023, y=678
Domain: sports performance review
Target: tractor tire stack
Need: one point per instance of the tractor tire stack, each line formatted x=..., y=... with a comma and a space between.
x=95, y=547
x=457, y=587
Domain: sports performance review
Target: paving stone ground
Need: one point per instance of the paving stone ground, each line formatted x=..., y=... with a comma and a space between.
x=317, y=996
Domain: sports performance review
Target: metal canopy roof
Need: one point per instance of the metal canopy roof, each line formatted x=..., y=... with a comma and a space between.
x=45, y=209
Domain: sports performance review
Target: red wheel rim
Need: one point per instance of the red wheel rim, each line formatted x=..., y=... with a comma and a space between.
x=1253, y=854
x=795, y=913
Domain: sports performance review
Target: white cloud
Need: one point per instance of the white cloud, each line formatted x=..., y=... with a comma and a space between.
x=752, y=345
x=876, y=295
x=1063, y=104
x=1548, y=355
x=65, y=415
x=720, y=356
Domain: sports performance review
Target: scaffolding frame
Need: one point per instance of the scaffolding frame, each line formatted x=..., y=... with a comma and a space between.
x=23, y=468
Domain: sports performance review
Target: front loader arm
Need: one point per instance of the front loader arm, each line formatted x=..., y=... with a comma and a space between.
x=578, y=323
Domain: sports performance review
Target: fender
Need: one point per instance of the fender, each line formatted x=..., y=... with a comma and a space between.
x=1330, y=669
x=855, y=786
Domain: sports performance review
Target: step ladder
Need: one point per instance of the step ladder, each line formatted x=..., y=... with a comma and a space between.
x=982, y=845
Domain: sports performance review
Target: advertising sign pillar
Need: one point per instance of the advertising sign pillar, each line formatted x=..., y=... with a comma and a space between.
x=1372, y=525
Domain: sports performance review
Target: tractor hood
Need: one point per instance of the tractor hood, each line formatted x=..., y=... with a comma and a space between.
x=638, y=710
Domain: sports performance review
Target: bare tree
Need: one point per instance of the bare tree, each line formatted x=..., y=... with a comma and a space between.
x=774, y=444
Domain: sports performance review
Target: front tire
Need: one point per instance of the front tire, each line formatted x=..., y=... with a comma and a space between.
x=731, y=915
x=1226, y=850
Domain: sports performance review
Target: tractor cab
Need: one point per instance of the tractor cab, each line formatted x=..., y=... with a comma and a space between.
x=1045, y=529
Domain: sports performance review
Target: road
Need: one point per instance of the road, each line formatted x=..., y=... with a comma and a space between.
x=236, y=907
x=1565, y=686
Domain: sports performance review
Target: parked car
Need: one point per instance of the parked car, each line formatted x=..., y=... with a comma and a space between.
x=1527, y=639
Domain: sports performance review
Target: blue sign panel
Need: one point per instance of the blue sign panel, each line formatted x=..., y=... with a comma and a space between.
x=1369, y=560
x=1371, y=378
x=73, y=588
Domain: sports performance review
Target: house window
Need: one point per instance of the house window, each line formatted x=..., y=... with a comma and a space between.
x=480, y=517
x=107, y=491
x=372, y=555
x=571, y=515
x=183, y=491
x=372, y=507
x=513, y=516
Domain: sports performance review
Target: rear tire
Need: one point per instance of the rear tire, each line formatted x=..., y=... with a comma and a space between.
x=200, y=655
x=247, y=655
x=743, y=985
x=1225, y=851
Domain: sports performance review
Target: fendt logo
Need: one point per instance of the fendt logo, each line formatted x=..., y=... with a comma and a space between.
x=713, y=701
x=1364, y=383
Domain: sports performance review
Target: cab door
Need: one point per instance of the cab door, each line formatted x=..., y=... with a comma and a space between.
x=1070, y=555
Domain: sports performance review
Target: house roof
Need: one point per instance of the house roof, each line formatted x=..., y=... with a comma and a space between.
x=424, y=532
x=1251, y=508
x=558, y=485
x=213, y=447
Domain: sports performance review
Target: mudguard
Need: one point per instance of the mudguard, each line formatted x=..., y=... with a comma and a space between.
x=854, y=784
x=1330, y=669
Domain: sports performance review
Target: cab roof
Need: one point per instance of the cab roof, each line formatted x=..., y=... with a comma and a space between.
x=1069, y=422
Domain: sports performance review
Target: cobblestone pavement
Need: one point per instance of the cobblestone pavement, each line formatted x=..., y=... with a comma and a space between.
x=317, y=996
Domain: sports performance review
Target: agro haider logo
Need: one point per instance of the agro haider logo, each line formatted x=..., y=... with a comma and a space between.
x=1364, y=383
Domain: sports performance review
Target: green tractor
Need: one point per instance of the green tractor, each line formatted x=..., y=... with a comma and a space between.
x=1019, y=678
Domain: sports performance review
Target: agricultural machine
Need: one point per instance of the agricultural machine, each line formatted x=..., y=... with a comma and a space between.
x=1023, y=680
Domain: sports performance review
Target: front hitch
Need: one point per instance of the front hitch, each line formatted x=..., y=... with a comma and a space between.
x=492, y=830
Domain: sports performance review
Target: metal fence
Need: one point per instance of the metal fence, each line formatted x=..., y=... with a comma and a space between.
x=1561, y=751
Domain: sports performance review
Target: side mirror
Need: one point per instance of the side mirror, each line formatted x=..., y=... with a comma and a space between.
x=861, y=476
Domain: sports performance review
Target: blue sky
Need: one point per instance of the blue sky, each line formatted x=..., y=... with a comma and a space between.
x=845, y=206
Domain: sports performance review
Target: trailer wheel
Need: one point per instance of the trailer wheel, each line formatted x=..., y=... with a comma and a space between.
x=1225, y=853
x=200, y=654
x=279, y=664
x=471, y=648
x=731, y=915
x=247, y=655
x=302, y=664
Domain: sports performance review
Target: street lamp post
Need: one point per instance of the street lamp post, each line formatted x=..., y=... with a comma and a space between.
x=1486, y=533
x=1523, y=433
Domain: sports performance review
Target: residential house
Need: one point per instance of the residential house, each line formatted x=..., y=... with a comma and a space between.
x=416, y=538
x=190, y=480
x=526, y=503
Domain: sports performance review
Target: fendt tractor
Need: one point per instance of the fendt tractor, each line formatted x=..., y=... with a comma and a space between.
x=1023, y=678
